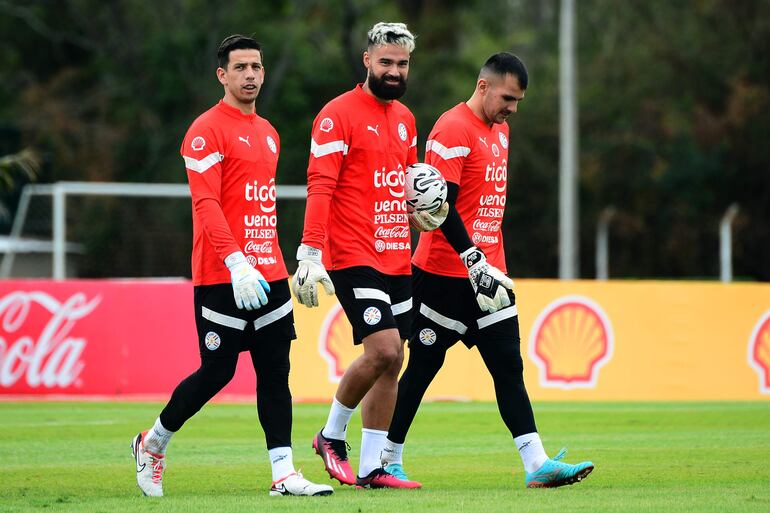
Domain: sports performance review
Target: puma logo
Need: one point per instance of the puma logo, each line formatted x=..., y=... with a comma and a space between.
x=245, y=140
x=373, y=129
x=484, y=140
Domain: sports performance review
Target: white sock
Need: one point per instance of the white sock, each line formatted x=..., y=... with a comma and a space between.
x=281, y=462
x=157, y=438
x=337, y=423
x=392, y=453
x=372, y=443
x=531, y=451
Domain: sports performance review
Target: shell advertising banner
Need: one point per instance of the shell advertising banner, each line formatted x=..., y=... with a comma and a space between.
x=580, y=340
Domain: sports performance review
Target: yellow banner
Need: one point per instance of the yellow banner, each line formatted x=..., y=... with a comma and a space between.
x=587, y=340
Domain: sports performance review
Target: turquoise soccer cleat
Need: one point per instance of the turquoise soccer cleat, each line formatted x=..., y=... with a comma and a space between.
x=397, y=471
x=555, y=473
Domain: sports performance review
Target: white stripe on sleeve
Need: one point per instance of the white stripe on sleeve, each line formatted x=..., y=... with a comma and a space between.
x=199, y=166
x=321, y=150
x=444, y=152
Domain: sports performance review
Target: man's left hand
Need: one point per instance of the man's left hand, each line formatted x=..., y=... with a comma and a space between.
x=423, y=221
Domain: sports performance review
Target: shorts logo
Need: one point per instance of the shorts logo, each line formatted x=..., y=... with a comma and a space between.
x=759, y=351
x=402, y=131
x=428, y=337
x=271, y=144
x=212, y=341
x=326, y=125
x=570, y=341
x=503, y=140
x=372, y=315
x=198, y=143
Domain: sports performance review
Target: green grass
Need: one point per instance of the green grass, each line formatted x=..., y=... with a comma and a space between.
x=656, y=457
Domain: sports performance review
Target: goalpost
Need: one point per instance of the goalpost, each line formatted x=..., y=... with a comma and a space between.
x=60, y=191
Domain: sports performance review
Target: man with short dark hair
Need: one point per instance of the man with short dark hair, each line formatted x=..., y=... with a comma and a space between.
x=231, y=154
x=470, y=297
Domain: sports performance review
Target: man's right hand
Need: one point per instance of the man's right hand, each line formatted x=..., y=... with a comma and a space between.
x=489, y=283
x=310, y=271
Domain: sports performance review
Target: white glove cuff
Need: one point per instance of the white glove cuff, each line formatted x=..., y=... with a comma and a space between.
x=472, y=256
x=234, y=258
x=305, y=252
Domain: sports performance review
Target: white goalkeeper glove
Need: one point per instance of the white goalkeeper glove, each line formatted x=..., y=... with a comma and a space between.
x=249, y=286
x=423, y=221
x=489, y=283
x=309, y=272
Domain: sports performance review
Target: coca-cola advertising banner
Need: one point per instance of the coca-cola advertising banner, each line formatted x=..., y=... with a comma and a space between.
x=580, y=340
x=99, y=338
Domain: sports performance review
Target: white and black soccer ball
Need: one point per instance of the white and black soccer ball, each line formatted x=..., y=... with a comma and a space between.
x=425, y=188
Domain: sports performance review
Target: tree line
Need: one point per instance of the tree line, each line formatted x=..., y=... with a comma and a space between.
x=673, y=113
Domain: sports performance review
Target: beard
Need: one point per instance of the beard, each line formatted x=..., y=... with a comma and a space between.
x=385, y=91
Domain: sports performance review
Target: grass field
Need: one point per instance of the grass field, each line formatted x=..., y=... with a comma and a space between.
x=660, y=457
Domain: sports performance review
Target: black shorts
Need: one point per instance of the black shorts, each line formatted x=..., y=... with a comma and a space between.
x=374, y=301
x=224, y=330
x=446, y=311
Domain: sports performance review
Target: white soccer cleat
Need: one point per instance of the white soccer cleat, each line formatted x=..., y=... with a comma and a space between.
x=149, y=467
x=295, y=484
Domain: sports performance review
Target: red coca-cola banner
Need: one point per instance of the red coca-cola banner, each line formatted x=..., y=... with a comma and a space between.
x=89, y=337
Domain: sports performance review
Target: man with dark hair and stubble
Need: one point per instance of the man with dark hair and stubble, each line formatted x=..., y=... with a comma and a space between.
x=460, y=287
x=241, y=290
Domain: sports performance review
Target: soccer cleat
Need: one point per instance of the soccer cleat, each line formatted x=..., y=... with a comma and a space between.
x=335, y=456
x=295, y=484
x=379, y=478
x=555, y=473
x=396, y=470
x=149, y=467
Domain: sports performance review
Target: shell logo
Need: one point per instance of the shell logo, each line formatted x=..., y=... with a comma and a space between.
x=335, y=343
x=759, y=352
x=570, y=341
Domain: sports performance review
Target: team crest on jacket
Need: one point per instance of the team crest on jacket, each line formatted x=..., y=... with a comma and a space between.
x=503, y=140
x=271, y=144
x=402, y=131
x=198, y=143
x=326, y=125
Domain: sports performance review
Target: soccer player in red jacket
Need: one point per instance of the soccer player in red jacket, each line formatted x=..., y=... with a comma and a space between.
x=241, y=291
x=461, y=291
x=357, y=227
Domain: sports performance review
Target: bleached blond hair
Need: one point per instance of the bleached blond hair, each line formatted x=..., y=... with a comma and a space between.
x=391, y=34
